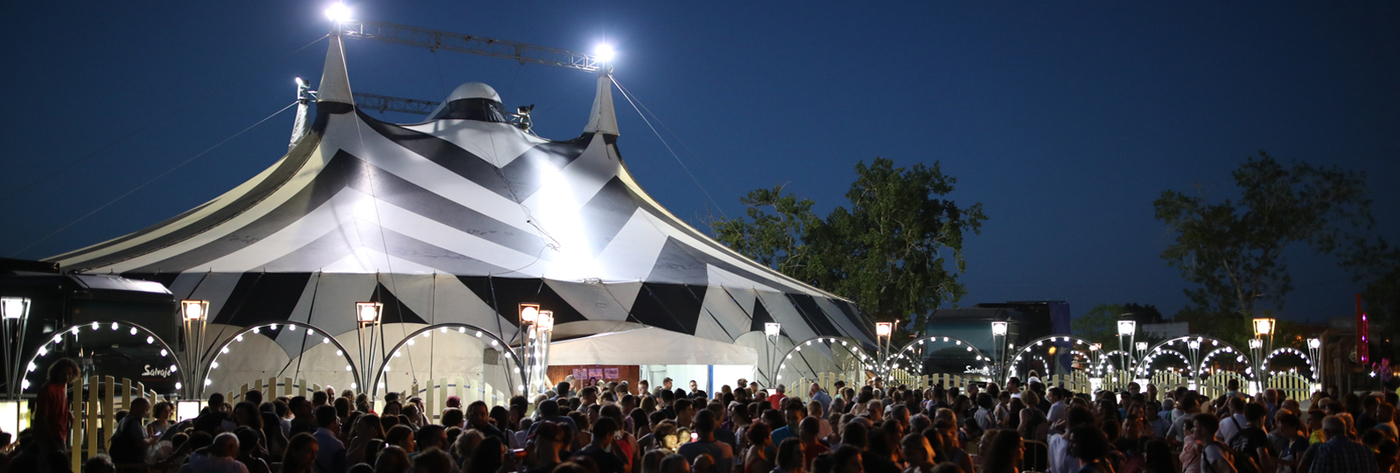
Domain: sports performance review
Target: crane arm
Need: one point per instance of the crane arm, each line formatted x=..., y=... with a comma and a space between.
x=435, y=40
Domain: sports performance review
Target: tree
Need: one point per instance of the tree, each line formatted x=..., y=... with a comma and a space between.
x=1100, y=324
x=896, y=251
x=1233, y=251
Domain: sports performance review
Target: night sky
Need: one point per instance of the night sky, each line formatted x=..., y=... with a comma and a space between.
x=1065, y=120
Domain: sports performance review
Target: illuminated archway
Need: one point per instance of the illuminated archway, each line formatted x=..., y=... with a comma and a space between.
x=118, y=328
x=271, y=331
x=514, y=375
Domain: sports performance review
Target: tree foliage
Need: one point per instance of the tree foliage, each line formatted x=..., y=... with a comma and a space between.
x=896, y=250
x=1233, y=250
x=1100, y=324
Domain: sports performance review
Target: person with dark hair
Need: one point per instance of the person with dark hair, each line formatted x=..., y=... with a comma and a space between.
x=1005, y=453
x=1158, y=458
x=1062, y=459
x=544, y=447
x=303, y=415
x=393, y=460
x=706, y=444
x=432, y=460
x=1212, y=456
x=793, y=413
x=1252, y=440
x=331, y=451
x=130, y=442
x=1089, y=445
x=878, y=453
x=674, y=463
x=488, y=456
x=479, y=418
x=846, y=459
x=756, y=459
x=790, y=457
x=51, y=415
x=431, y=436
x=602, y=447
x=248, y=450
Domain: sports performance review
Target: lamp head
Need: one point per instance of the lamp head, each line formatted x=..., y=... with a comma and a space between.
x=194, y=310
x=14, y=307
x=884, y=329
x=999, y=328
x=1263, y=326
x=368, y=313
x=604, y=52
x=545, y=321
x=1127, y=327
x=1142, y=346
x=1256, y=343
x=772, y=329
x=529, y=313
x=1314, y=343
x=338, y=12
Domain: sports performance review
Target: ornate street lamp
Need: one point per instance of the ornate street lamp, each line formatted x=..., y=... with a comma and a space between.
x=14, y=315
x=1126, y=329
x=1264, y=336
x=367, y=322
x=194, y=317
x=884, y=331
x=999, y=331
x=771, y=332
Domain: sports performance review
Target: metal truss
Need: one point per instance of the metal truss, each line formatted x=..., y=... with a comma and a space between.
x=447, y=41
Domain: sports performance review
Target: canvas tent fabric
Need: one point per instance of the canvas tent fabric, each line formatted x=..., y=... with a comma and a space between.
x=626, y=347
x=458, y=219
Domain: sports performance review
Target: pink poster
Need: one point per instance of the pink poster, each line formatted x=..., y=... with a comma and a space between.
x=595, y=373
x=610, y=373
x=580, y=374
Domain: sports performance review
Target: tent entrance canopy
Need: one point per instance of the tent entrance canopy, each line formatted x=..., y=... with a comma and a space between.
x=648, y=346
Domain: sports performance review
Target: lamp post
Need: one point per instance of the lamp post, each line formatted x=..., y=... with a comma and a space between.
x=194, y=318
x=884, y=331
x=367, y=317
x=771, y=332
x=1194, y=347
x=999, y=329
x=529, y=314
x=14, y=315
x=544, y=332
x=1263, y=327
x=1315, y=352
x=1126, y=329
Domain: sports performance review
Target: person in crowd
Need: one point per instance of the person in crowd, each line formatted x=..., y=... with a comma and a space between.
x=1033, y=424
x=248, y=448
x=1062, y=458
x=1005, y=453
x=52, y=416
x=674, y=463
x=1252, y=440
x=219, y=457
x=918, y=454
x=1089, y=445
x=722, y=454
x=756, y=459
x=846, y=459
x=603, y=448
x=300, y=456
x=391, y=460
x=330, y=457
x=130, y=442
x=1341, y=454
x=789, y=457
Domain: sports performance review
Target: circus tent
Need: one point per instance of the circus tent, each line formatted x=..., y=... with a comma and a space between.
x=456, y=220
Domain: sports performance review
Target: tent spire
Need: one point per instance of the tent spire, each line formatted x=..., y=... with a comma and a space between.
x=334, y=94
x=603, y=119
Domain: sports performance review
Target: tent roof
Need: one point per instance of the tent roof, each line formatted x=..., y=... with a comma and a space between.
x=648, y=346
x=504, y=215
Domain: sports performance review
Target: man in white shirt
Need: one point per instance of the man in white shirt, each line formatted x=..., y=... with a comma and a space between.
x=1061, y=460
x=1058, y=410
x=1232, y=425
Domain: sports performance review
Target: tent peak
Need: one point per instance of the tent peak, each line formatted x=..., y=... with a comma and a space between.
x=334, y=94
x=603, y=118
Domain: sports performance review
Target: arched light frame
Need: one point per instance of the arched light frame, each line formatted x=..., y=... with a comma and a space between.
x=135, y=330
x=1106, y=360
x=1088, y=348
x=1209, y=345
x=866, y=361
x=1228, y=350
x=468, y=329
x=327, y=339
x=978, y=354
x=1152, y=354
x=1312, y=370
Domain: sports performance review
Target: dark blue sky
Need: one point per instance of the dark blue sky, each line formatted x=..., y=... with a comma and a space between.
x=1065, y=120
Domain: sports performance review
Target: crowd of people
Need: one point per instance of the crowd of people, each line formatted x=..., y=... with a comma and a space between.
x=612, y=427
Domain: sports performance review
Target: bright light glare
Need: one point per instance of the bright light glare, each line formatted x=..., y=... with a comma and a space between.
x=604, y=52
x=338, y=12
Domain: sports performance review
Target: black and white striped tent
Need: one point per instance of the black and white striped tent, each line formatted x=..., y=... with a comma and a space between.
x=457, y=220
